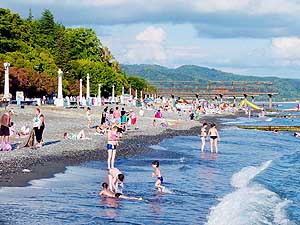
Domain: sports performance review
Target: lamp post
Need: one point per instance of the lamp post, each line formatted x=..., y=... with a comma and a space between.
x=6, y=80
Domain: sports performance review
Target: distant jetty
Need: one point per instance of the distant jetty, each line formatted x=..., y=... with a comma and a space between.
x=271, y=128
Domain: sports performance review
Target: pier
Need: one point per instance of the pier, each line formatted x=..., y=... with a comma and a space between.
x=216, y=89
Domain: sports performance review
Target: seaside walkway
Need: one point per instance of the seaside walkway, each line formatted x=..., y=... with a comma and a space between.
x=215, y=89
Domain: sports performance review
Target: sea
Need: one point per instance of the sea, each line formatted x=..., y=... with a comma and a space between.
x=255, y=179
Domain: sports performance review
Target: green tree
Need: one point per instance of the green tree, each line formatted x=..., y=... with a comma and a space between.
x=47, y=23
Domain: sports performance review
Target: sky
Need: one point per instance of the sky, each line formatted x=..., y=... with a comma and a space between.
x=250, y=37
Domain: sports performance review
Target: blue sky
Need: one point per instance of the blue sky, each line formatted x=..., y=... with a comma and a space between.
x=251, y=37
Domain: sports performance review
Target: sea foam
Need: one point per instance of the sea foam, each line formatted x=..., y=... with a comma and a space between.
x=249, y=203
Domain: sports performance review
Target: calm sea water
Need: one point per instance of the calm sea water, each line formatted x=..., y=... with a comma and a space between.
x=253, y=180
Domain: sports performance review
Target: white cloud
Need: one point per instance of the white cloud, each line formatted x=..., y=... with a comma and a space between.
x=288, y=49
x=152, y=34
x=149, y=47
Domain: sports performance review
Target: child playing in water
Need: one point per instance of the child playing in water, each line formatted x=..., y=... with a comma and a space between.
x=157, y=174
x=203, y=136
x=114, y=176
x=107, y=193
x=214, y=138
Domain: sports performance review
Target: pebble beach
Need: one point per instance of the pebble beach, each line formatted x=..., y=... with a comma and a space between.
x=19, y=166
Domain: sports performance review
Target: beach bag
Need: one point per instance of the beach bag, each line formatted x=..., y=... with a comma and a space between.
x=30, y=141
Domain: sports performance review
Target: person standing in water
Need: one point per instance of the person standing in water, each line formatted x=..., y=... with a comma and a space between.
x=157, y=174
x=214, y=138
x=203, y=136
x=112, y=142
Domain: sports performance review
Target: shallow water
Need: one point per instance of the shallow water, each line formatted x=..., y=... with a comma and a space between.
x=253, y=180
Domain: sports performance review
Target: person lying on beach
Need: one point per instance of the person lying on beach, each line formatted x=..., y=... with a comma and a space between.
x=214, y=138
x=100, y=130
x=105, y=192
x=157, y=174
x=114, y=177
x=72, y=136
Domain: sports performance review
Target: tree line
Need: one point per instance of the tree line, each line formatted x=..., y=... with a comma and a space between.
x=37, y=48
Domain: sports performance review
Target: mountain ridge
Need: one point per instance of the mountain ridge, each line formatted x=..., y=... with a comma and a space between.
x=288, y=88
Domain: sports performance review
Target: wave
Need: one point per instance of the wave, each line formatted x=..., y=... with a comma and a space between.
x=157, y=147
x=249, y=203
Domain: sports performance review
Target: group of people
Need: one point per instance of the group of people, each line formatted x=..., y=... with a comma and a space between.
x=213, y=134
x=8, y=130
x=116, y=123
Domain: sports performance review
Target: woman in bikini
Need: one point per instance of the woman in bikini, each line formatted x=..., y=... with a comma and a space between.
x=214, y=138
x=203, y=136
x=112, y=142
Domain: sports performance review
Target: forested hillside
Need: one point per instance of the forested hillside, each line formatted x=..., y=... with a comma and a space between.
x=37, y=47
x=288, y=89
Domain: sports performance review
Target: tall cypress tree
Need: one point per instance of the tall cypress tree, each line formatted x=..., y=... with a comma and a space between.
x=47, y=23
x=30, y=16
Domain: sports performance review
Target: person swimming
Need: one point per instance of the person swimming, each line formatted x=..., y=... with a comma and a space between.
x=105, y=192
x=157, y=174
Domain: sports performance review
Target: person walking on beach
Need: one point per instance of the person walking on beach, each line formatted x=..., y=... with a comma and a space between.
x=157, y=174
x=203, y=136
x=39, y=126
x=114, y=176
x=103, y=116
x=132, y=119
x=214, y=138
x=89, y=117
x=112, y=142
x=4, y=130
x=117, y=115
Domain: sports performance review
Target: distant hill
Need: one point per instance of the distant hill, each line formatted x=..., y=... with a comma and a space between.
x=288, y=89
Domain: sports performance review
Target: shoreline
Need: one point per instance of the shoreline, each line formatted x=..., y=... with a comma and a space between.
x=46, y=167
x=58, y=153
